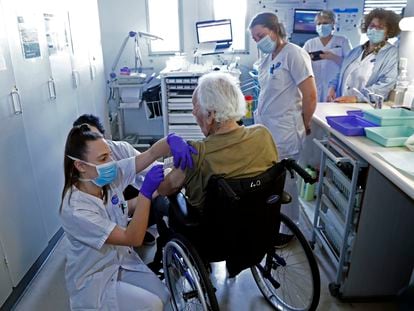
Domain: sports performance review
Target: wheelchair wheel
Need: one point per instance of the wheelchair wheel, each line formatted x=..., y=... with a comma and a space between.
x=187, y=278
x=289, y=277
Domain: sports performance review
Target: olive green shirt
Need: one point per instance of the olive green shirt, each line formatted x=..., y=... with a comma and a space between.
x=243, y=152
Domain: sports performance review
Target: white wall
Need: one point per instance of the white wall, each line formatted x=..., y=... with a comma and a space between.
x=407, y=41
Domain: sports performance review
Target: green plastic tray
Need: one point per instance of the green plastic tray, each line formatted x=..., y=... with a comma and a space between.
x=389, y=117
x=389, y=136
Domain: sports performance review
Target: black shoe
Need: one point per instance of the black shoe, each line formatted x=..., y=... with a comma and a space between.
x=149, y=239
x=283, y=240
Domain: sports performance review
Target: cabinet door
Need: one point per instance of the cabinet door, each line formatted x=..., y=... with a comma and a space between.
x=43, y=127
x=82, y=32
x=6, y=285
x=21, y=226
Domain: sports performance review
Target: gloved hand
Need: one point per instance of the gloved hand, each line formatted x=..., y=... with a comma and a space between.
x=181, y=151
x=152, y=180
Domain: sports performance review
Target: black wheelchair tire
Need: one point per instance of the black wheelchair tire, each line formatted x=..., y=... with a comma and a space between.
x=312, y=264
x=198, y=265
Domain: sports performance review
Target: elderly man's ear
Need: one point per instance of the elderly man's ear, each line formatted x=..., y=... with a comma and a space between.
x=210, y=116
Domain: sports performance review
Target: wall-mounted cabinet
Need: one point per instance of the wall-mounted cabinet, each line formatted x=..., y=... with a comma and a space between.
x=43, y=88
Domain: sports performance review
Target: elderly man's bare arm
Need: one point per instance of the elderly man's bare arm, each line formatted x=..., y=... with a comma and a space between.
x=172, y=183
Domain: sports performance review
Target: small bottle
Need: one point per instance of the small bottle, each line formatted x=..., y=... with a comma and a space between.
x=309, y=194
x=409, y=96
x=402, y=83
x=249, y=106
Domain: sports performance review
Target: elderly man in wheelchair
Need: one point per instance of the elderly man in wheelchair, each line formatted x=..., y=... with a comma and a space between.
x=231, y=210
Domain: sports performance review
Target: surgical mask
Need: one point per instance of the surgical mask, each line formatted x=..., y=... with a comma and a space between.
x=375, y=35
x=107, y=172
x=266, y=45
x=324, y=30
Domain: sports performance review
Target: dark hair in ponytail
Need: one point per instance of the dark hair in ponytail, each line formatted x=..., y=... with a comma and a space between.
x=76, y=146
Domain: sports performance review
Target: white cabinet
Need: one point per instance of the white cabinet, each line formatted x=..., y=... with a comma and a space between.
x=22, y=230
x=38, y=103
x=5, y=284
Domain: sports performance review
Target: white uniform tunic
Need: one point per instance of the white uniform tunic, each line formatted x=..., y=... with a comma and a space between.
x=122, y=150
x=280, y=100
x=92, y=266
x=325, y=70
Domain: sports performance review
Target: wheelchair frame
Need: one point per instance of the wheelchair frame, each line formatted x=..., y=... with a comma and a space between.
x=191, y=288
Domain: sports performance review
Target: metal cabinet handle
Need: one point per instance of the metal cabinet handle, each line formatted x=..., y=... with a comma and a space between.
x=15, y=98
x=336, y=160
x=75, y=78
x=52, y=88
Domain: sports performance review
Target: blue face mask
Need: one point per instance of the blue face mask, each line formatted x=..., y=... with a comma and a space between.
x=107, y=172
x=324, y=30
x=266, y=45
x=375, y=36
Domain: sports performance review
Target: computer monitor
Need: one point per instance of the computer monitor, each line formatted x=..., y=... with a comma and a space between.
x=304, y=21
x=218, y=31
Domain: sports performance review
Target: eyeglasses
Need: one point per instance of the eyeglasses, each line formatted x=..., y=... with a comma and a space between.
x=380, y=27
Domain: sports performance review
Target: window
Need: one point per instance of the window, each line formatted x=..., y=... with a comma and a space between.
x=164, y=21
x=393, y=5
x=236, y=11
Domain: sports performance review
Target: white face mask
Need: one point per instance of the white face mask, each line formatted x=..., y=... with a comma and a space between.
x=375, y=35
x=266, y=45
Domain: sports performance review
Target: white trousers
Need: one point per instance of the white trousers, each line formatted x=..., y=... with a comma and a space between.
x=141, y=291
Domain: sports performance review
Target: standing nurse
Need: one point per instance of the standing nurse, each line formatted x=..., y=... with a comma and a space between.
x=334, y=49
x=288, y=93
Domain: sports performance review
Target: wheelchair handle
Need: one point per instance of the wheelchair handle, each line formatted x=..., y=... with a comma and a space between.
x=292, y=165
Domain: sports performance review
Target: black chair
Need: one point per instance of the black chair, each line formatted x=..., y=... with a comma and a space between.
x=240, y=224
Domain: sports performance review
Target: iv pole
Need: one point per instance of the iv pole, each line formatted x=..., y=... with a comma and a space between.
x=137, y=50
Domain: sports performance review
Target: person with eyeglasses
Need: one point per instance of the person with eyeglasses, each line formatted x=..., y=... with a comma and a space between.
x=103, y=272
x=371, y=67
x=327, y=52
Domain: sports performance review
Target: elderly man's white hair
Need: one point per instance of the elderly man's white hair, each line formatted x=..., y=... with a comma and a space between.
x=219, y=92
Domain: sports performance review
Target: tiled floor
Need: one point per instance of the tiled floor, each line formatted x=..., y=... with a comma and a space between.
x=47, y=291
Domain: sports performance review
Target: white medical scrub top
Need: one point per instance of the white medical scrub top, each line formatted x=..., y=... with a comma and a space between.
x=91, y=265
x=326, y=70
x=122, y=150
x=357, y=74
x=280, y=100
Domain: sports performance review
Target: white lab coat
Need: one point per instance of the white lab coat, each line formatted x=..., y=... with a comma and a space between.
x=280, y=101
x=91, y=265
x=357, y=74
x=325, y=70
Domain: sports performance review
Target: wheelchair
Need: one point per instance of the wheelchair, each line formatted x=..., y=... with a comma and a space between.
x=240, y=224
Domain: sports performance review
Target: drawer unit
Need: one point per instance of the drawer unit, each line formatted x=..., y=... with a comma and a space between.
x=338, y=205
x=177, y=93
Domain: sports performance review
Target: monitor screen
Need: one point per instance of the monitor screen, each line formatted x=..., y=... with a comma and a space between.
x=214, y=31
x=304, y=21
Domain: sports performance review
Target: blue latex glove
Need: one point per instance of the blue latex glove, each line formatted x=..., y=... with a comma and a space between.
x=181, y=151
x=152, y=181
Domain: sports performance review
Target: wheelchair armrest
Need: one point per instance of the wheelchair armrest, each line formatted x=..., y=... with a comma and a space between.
x=180, y=210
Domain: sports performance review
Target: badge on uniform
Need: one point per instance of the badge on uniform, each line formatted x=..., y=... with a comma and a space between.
x=274, y=67
x=115, y=199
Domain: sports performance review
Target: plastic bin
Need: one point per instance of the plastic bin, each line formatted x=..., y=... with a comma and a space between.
x=390, y=136
x=349, y=125
x=390, y=117
x=358, y=113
